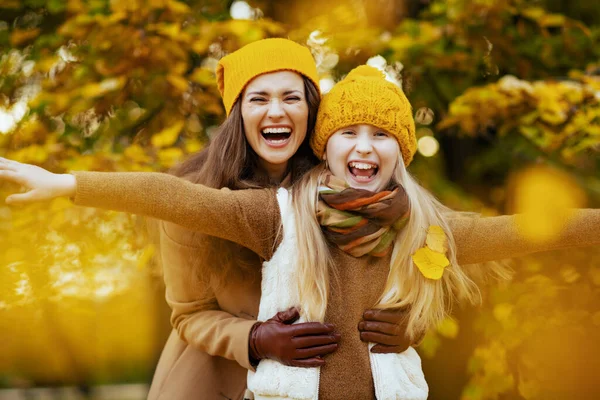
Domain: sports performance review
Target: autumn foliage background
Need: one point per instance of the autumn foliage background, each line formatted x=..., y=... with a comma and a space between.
x=507, y=100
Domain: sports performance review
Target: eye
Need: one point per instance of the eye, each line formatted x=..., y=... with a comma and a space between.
x=382, y=134
x=258, y=100
x=293, y=98
x=348, y=133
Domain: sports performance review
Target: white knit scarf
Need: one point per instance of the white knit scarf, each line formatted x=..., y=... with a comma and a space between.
x=395, y=376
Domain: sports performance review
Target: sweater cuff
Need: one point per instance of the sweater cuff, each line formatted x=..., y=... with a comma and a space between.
x=244, y=359
x=82, y=187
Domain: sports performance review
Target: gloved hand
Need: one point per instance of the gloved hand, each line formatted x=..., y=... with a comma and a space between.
x=299, y=345
x=386, y=328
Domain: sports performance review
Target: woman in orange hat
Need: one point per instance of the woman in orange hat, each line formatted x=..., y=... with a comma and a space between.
x=271, y=96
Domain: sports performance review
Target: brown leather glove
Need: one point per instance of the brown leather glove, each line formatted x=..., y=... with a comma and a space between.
x=299, y=345
x=386, y=328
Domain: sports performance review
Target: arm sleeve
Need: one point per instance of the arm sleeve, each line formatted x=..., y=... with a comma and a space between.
x=495, y=238
x=248, y=217
x=196, y=315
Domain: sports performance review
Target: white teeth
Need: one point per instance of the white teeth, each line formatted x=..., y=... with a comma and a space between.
x=277, y=130
x=360, y=165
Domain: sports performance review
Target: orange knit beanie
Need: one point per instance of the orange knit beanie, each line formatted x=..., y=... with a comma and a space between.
x=235, y=70
x=366, y=97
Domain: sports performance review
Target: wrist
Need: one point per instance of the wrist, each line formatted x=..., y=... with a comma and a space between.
x=253, y=353
x=67, y=185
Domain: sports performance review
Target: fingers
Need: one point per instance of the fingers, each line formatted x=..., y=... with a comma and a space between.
x=11, y=176
x=22, y=198
x=315, y=351
x=382, y=349
x=308, y=363
x=381, y=338
x=311, y=328
x=7, y=166
x=381, y=327
x=393, y=316
x=302, y=342
x=288, y=316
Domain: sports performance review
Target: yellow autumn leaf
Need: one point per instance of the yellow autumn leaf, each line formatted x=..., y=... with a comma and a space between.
x=552, y=20
x=178, y=7
x=203, y=76
x=168, y=157
x=20, y=36
x=436, y=239
x=167, y=136
x=178, y=82
x=430, y=263
x=193, y=146
x=101, y=88
x=35, y=154
x=136, y=153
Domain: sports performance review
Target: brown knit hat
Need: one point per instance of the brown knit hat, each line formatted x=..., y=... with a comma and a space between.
x=366, y=97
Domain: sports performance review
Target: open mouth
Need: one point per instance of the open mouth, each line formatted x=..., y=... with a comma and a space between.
x=276, y=136
x=363, y=171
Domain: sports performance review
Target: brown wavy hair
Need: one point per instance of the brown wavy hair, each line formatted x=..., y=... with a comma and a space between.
x=229, y=161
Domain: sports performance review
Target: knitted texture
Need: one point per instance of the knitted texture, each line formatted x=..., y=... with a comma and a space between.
x=366, y=97
x=359, y=221
x=237, y=69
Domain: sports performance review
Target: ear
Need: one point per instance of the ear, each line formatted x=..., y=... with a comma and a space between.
x=325, y=155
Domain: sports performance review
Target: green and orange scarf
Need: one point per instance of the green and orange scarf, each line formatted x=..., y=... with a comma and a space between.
x=359, y=221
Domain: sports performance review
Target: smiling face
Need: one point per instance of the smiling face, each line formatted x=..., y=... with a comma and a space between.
x=275, y=114
x=363, y=155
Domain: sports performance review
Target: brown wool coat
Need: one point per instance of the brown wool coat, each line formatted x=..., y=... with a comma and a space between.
x=251, y=218
x=205, y=356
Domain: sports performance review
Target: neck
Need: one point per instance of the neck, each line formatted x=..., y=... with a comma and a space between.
x=276, y=172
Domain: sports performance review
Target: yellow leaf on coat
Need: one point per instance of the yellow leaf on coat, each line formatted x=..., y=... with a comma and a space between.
x=436, y=239
x=430, y=263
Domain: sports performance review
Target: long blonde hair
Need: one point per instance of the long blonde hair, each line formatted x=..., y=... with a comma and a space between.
x=428, y=300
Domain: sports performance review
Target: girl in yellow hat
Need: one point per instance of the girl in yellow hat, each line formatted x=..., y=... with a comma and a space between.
x=356, y=232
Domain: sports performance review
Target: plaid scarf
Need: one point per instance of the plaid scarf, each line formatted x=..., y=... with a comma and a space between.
x=359, y=221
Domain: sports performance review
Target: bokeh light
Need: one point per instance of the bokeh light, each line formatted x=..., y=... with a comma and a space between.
x=545, y=197
x=428, y=146
x=326, y=84
x=424, y=116
x=241, y=10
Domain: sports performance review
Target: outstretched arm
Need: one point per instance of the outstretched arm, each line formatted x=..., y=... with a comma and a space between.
x=248, y=217
x=495, y=238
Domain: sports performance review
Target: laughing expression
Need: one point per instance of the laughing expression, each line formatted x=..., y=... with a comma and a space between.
x=275, y=114
x=363, y=155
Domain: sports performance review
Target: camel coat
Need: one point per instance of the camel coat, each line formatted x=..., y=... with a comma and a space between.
x=206, y=355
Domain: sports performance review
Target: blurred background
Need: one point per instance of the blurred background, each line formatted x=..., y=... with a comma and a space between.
x=506, y=97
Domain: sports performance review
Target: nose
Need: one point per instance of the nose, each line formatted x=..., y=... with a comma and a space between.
x=364, y=145
x=275, y=109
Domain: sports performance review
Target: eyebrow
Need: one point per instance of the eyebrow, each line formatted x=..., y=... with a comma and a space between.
x=263, y=93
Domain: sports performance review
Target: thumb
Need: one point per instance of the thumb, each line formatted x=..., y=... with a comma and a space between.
x=288, y=316
x=22, y=198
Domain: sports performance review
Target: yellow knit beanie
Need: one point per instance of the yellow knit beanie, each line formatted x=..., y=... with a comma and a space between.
x=365, y=97
x=235, y=70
